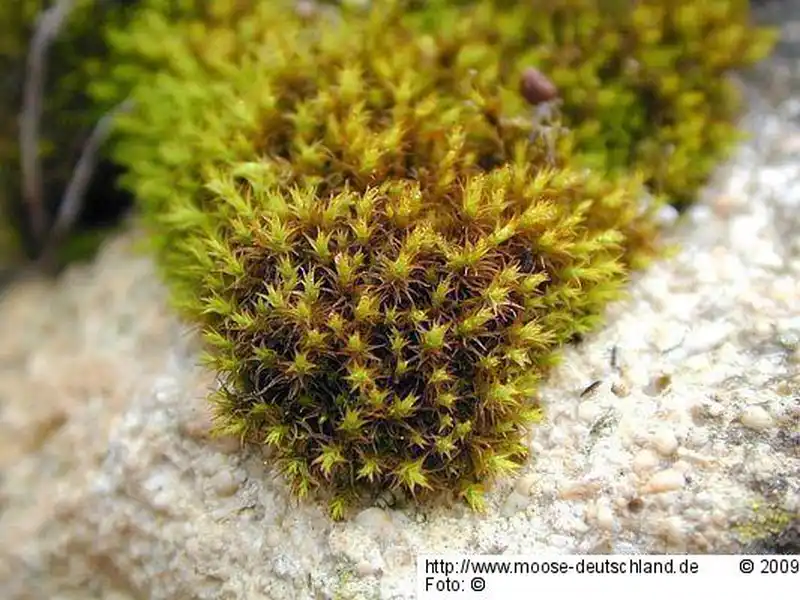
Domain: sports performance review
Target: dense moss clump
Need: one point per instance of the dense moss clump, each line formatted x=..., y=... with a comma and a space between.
x=383, y=249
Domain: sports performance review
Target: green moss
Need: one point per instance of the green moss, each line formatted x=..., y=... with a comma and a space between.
x=381, y=247
x=642, y=87
x=643, y=83
x=766, y=521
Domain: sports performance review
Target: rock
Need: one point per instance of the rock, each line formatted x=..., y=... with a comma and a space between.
x=665, y=442
x=365, y=568
x=620, y=389
x=665, y=481
x=525, y=484
x=645, y=460
x=589, y=411
x=514, y=503
x=224, y=483
x=755, y=417
x=572, y=490
x=674, y=530
x=625, y=548
x=605, y=516
x=377, y=521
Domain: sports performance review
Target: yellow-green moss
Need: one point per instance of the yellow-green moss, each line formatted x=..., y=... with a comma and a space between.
x=767, y=520
x=383, y=250
x=382, y=259
x=644, y=83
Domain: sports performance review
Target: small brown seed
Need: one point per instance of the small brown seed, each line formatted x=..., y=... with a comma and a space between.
x=635, y=505
x=535, y=87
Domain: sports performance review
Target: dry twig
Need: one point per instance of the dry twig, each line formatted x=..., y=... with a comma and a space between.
x=72, y=201
x=47, y=29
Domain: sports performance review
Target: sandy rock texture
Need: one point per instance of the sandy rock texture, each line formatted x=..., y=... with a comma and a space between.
x=690, y=442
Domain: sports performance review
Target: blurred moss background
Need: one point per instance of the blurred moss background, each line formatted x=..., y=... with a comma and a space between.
x=643, y=86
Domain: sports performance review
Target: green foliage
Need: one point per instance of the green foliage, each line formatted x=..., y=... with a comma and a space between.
x=383, y=250
x=643, y=82
x=382, y=260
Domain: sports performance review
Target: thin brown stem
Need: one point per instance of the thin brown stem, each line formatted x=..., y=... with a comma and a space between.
x=72, y=201
x=47, y=29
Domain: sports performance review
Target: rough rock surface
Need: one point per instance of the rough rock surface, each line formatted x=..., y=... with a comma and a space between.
x=111, y=488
